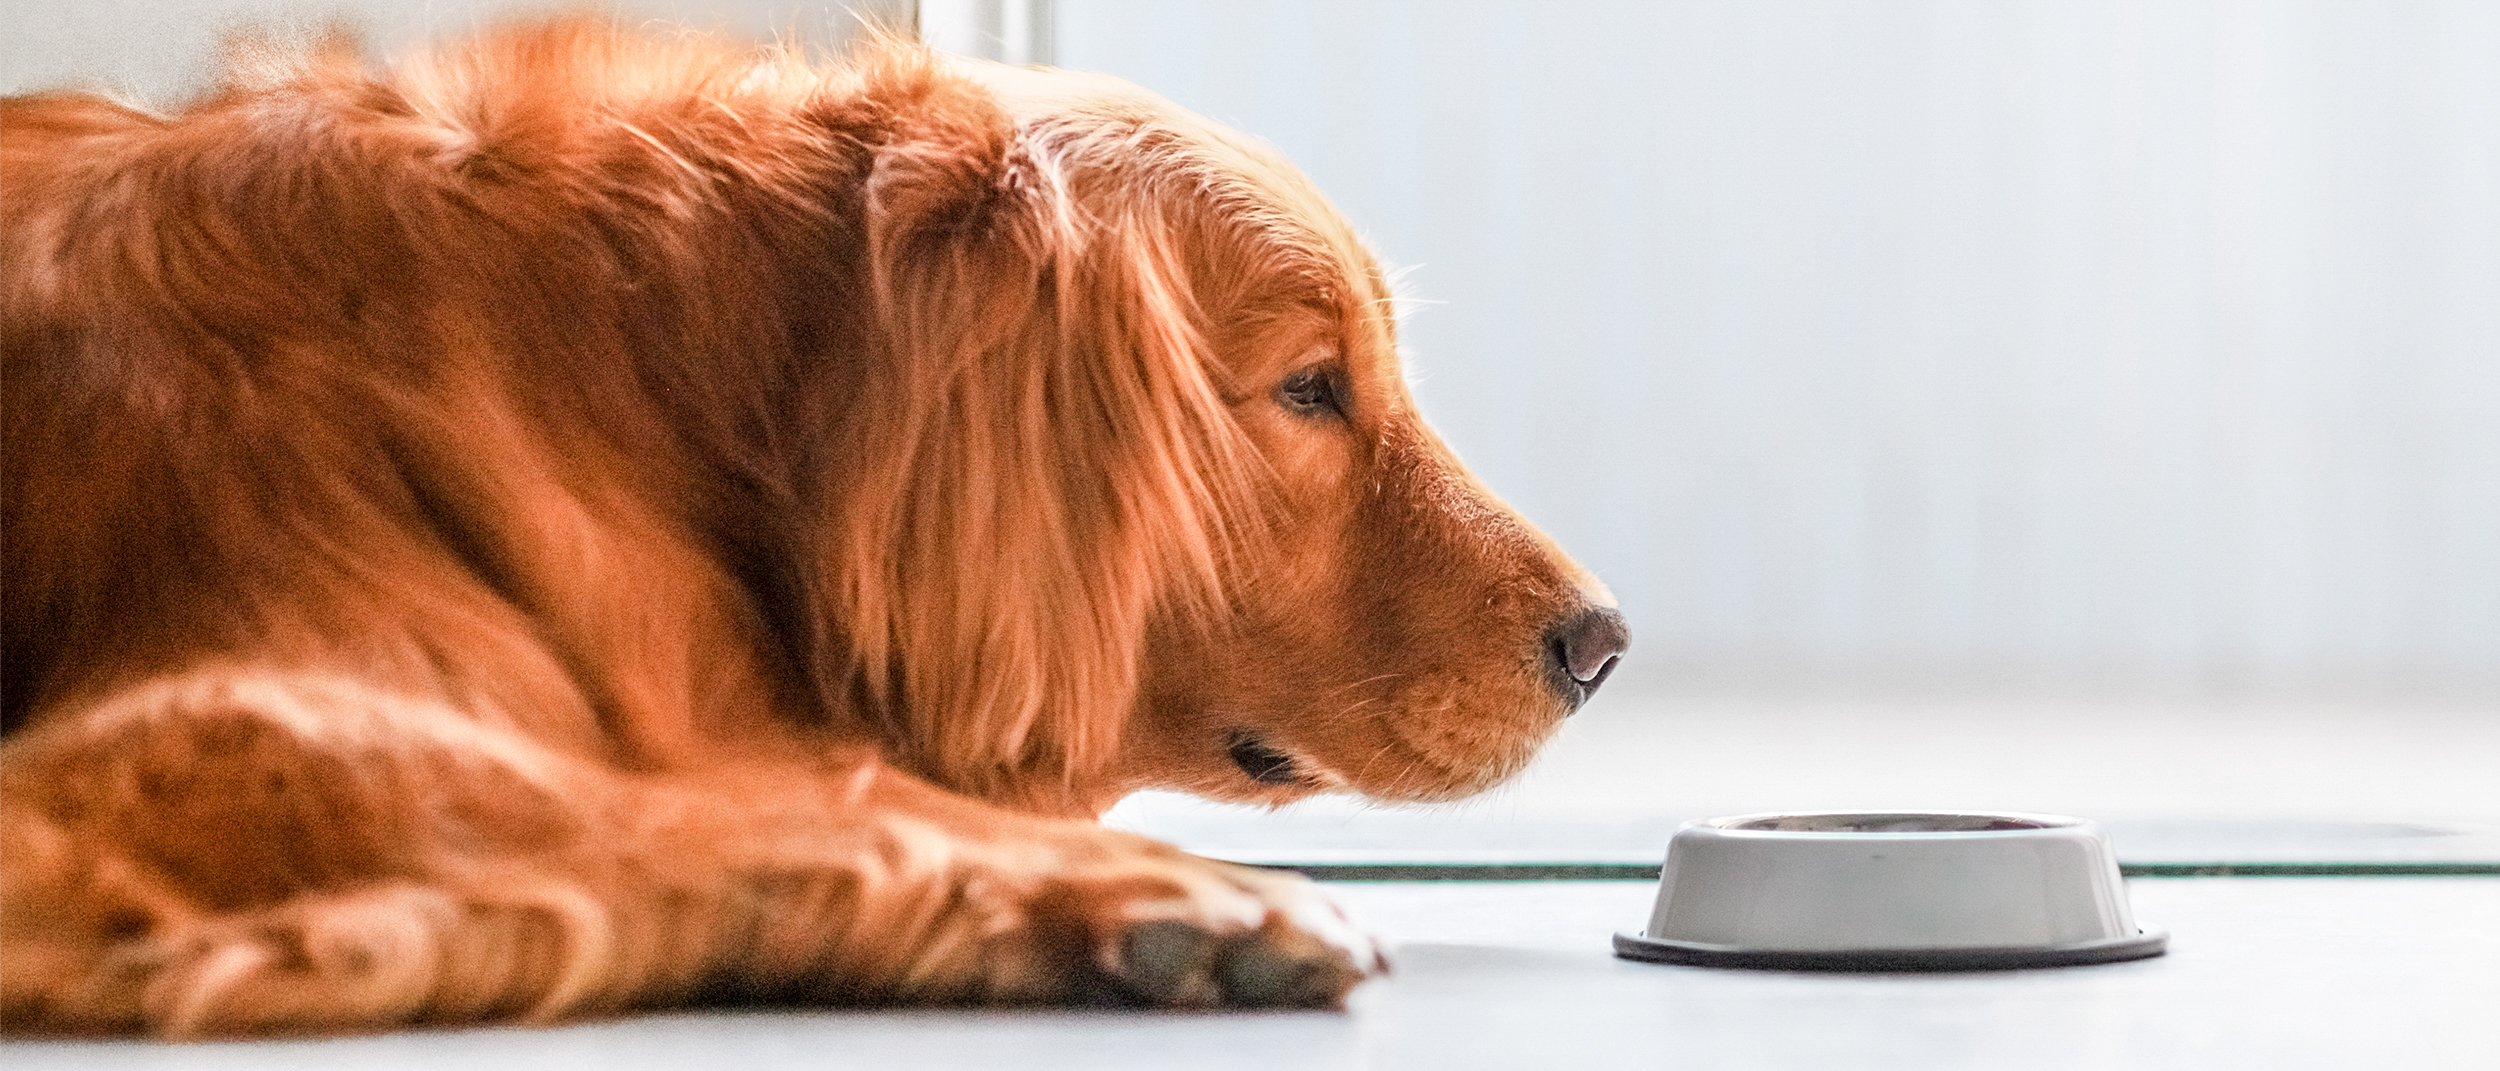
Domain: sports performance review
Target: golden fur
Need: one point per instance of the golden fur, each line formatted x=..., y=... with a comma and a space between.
x=585, y=522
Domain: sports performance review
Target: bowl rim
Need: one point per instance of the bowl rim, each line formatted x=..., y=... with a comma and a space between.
x=2014, y=824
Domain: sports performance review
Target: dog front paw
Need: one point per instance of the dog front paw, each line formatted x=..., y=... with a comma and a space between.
x=1165, y=929
x=1292, y=948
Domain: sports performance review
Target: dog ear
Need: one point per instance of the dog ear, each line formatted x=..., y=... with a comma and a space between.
x=1039, y=465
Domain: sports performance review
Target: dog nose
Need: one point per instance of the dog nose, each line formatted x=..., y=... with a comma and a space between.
x=1585, y=648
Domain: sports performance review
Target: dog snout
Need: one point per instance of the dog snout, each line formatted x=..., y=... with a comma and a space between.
x=1584, y=649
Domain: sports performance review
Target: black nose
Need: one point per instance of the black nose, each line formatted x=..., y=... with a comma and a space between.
x=1584, y=649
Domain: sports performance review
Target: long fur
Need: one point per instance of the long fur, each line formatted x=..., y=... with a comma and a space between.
x=588, y=521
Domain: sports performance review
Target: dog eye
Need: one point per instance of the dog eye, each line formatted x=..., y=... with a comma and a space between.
x=1311, y=392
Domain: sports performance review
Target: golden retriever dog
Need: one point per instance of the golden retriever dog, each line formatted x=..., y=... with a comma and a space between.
x=582, y=522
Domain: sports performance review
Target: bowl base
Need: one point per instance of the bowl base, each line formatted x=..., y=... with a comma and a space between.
x=1990, y=958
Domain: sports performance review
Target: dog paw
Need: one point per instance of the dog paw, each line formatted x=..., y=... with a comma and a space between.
x=1178, y=931
x=1294, y=949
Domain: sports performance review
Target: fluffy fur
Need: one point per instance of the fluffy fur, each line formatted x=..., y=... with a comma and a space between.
x=583, y=522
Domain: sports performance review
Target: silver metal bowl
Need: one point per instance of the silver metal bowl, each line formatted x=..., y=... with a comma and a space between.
x=1891, y=891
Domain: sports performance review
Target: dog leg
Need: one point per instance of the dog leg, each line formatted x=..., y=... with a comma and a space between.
x=928, y=897
x=239, y=856
x=233, y=854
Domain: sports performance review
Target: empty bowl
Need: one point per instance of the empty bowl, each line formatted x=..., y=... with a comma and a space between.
x=1891, y=891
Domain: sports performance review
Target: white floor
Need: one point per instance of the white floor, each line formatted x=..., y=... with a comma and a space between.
x=1648, y=750
x=2304, y=780
x=2262, y=973
x=2333, y=972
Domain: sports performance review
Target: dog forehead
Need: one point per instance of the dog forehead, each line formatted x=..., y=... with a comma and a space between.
x=1039, y=97
x=1338, y=292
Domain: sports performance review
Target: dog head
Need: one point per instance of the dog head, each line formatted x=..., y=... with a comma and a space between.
x=1161, y=505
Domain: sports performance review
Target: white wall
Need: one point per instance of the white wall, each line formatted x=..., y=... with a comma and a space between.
x=2116, y=343
x=2140, y=343
x=162, y=50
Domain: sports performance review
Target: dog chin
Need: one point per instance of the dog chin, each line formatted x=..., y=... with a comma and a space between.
x=1271, y=769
